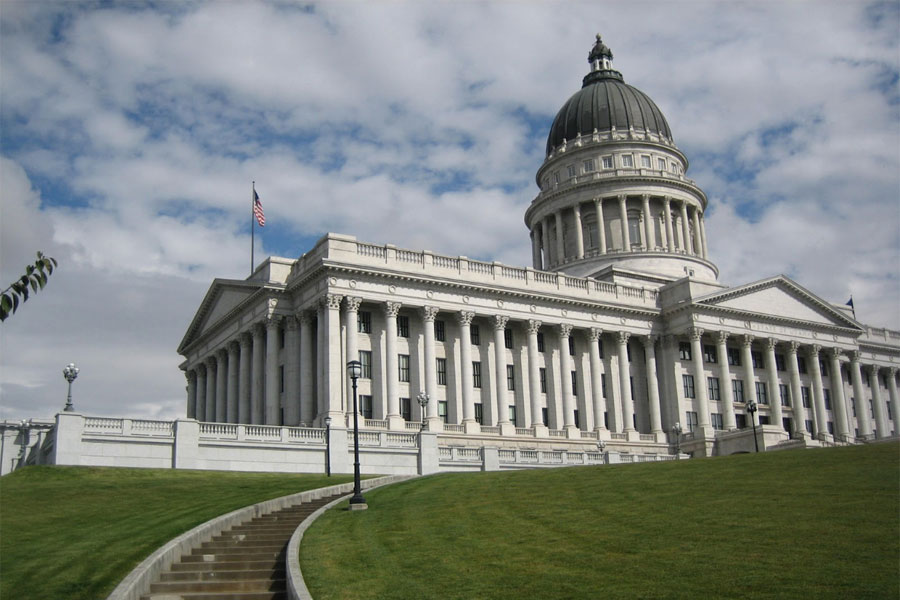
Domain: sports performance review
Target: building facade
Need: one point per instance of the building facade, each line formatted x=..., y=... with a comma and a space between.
x=617, y=332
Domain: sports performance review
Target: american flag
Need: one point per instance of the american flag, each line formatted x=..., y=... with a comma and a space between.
x=258, y=210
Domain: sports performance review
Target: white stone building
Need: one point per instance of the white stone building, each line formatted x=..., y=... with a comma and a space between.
x=615, y=333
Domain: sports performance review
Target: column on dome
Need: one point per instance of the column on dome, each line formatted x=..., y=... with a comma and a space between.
x=698, y=241
x=685, y=229
x=200, y=409
x=703, y=238
x=536, y=249
x=895, y=398
x=545, y=245
x=601, y=225
x=565, y=377
x=796, y=389
x=209, y=413
x=859, y=400
x=596, y=378
x=465, y=358
x=428, y=315
x=623, y=215
x=699, y=378
x=257, y=377
x=648, y=225
x=307, y=367
x=625, y=382
x=190, y=376
x=231, y=404
x=749, y=383
x=670, y=232
x=245, y=378
x=334, y=367
x=725, y=392
x=772, y=383
x=291, y=371
x=351, y=316
x=500, y=369
x=273, y=389
x=818, y=391
x=649, y=342
x=395, y=420
x=579, y=233
x=842, y=423
x=560, y=241
x=881, y=427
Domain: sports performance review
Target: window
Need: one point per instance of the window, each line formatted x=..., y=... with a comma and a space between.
x=740, y=421
x=600, y=346
x=440, y=333
x=365, y=360
x=804, y=394
x=364, y=321
x=645, y=161
x=556, y=177
x=673, y=167
x=688, y=382
x=508, y=338
x=684, y=351
x=543, y=415
x=365, y=405
x=572, y=172
x=577, y=424
x=734, y=357
x=406, y=409
x=543, y=373
x=589, y=165
x=801, y=364
x=479, y=413
x=574, y=383
x=763, y=419
x=512, y=413
x=809, y=426
x=281, y=379
x=888, y=413
x=281, y=338
x=607, y=162
x=853, y=406
x=475, y=335
x=571, y=346
x=787, y=424
x=709, y=354
x=603, y=384
x=634, y=230
x=510, y=377
x=540, y=340
x=716, y=421
x=442, y=410
x=830, y=427
x=476, y=374
x=785, y=393
x=779, y=362
x=661, y=164
x=713, y=384
x=403, y=326
x=403, y=364
x=627, y=160
x=823, y=368
x=690, y=420
x=737, y=390
x=761, y=395
x=827, y=394
x=441, y=371
x=757, y=359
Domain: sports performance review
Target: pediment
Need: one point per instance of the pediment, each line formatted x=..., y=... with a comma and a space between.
x=778, y=298
x=222, y=298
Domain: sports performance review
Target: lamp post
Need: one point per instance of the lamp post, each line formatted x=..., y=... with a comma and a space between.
x=601, y=446
x=752, y=408
x=70, y=373
x=328, y=446
x=422, y=399
x=676, y=431
x=357, y=502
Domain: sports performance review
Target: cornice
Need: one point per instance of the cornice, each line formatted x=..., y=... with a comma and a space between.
x=695, y=308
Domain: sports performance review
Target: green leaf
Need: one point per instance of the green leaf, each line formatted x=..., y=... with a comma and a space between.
x=33, y=283
x=15, y=302
x=5, y=306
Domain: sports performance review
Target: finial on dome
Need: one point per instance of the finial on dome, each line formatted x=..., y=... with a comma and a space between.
x=600, y=56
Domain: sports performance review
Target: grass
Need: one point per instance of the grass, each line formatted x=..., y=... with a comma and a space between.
x=75, y=532
x=813, y=524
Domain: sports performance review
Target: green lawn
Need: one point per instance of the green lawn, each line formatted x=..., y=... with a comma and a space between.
x=795, y=524
x=74, y=532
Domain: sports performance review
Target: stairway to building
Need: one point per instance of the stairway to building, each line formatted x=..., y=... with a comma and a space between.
x=246, y=562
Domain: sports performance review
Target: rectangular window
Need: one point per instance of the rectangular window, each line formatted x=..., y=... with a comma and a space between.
x=888, y=413
x=365, y=360
x=440, y=333
x=479, y=413
x=403, y=364
x=688, y=383
x=853, y=405
x=574, y=383
x=801, y=365
x=827, y=395
x=830, y=427
x=572, y=171
x=661, y=164
x=673, y=167
x=684, y=351
x=475, y=335
x=690, y=420
x=645, y=161
x=784, y=392
x=577, y=424
x=607, y=162
x=737, y=390
x=779, y=362
x=713, y=384
x=402, y=326
x=600, y=346
x=364, y=321
x=709, y=354
x=823, y=368
x=716, y=421
x=476, y=374
x=510, y=377
x=809, y=426
x=804, y=393
x=603, y=384
x=540, y=341
x=761, y=396
x=365, y=405
x=589, y=165
x=627, y=160
x=442, y=410
x=763, y=419
x=543, y=374
x=734, y=357
x=740, y=421
x=757, y=359
x=441, y=371
x=512, y=413
x=281, y=379
x=406, y=409
x=556, y=177
x=543, y=415
x=571, y=346
x=508, y=338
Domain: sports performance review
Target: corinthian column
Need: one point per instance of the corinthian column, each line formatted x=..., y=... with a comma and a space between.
x=191, y=376
x=750, y=384
x=796, y=392
x=699, y=378
x=841, y=422
x=200, y=412
x=210, y=413
x=500, y=365
x=625, y=382
x=307, y=367
x=245, y=379
x=895, y=398
x=560, y=241
x=352, y=328
x=685, y=228
x=596, y=378
x=257, y=377
x=670, y=232
x=652, y=383
x=623, y=216
x=725, y=393
x=859, y=399
x=231, y=405
x=818, y=393
x=579, y=234
x=395, y=420
x=333, y=373
x=428, y=315
x=648, y=225
x=601, y=225
x=273, y=388
x=772, y=376
x=465, y=367
x=565, y=377
x=534, y=374
x=881, y=427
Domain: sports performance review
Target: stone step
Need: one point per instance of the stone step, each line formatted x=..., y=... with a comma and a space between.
x=251, y=544
x=222, y=575
x=218, y=596
x=248, y=585
x=238, y=538
x=234, y=565
x=213, y=557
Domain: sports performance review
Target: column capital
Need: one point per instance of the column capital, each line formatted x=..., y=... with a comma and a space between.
x=305, y=316
x=245, y=339
x=814, y=350
x=793, y=346
x=233, y=346
x=429, y=313
x=500, y=322
x=771, y=343
x=576, y=208
x=222, y=354
x=273, y=321
x=353, y=303
x=835, y=353
x=564, y=330
x=746, y=339
x=190, y=375
x=695, y=333
x=667, y=200
x=649, y=341
x=332, y=301
x=465, y=317
x=722, y=337
x=258, y=329
x=872, y=369
x=210, y=362
x=645, y=197
x=533, y=325
x=594, y=334
x=290, y=323
x=892, y=371
x=391, y=308
x=622, y=337
x=855, y=355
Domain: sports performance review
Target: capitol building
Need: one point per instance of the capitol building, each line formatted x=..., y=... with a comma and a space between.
x=619, y=336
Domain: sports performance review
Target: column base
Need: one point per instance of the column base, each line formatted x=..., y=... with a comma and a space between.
x=573, y=433
x=541, y=430
x=507, y=429
x=434, y=424
x=396, y=423
x=472, y=427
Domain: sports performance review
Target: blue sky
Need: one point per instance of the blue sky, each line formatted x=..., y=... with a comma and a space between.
x=130, y=134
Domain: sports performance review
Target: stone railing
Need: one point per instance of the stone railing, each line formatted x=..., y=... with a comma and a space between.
x=454, y=428
x=385, y=439
x=144, y=427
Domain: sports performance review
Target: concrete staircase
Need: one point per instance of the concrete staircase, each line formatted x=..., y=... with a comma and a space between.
x=246, y=562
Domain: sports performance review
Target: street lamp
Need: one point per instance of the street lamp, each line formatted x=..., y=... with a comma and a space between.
x=357, y=502
x=752, y=408
x=328, y=446
x=676, y=431
x=422, y=399
x=70, y=373
x=601, y=446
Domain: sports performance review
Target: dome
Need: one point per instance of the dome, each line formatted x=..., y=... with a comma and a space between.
x=605, y=101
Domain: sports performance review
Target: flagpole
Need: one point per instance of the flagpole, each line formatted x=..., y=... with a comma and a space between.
x=252, y=224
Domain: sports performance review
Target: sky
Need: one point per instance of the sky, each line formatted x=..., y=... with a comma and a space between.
x=131, y=133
